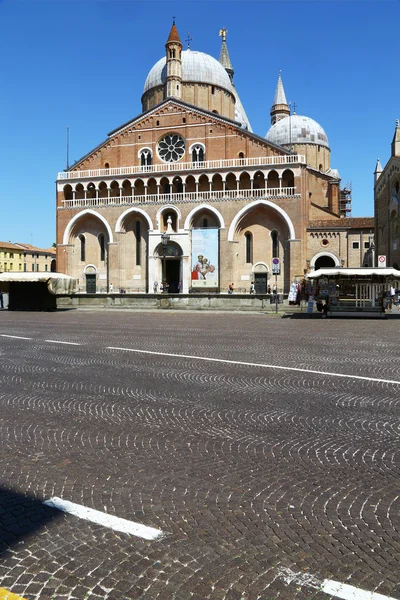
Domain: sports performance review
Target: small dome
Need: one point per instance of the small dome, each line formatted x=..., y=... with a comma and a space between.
x=196, y=66
x=297, y=130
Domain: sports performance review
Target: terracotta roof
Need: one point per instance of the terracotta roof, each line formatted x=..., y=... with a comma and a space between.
x=9, y=246
x=173, y=34
x=35, y=248
x=350, y=223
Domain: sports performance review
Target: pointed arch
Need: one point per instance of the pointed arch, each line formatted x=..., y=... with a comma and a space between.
x=133, y=210
x=248, y=207
x=81, y=214
x=204, y=207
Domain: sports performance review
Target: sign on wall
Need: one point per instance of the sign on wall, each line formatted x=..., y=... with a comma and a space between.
x=381, y=260
x=205, y=252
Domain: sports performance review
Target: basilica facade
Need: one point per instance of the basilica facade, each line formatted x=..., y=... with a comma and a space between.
x=187, y=194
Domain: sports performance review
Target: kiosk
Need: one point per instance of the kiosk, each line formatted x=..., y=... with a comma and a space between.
x=362, y=292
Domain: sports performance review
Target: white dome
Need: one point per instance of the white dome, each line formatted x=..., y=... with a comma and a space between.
x=297, y=130
x=196, y=66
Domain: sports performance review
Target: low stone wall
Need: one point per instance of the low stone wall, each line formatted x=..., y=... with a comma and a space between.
x=242, y=302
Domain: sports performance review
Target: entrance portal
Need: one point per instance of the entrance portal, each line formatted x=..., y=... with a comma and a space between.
x=172, y=274
x=260, y=282
x=90, y=283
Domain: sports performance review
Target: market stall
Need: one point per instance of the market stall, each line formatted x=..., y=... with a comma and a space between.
x=35, y=291
x=358, y=292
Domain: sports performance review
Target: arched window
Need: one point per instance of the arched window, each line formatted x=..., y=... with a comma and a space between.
x=249, y=247
x=197, y=153
x=138, y=240
x=275, y=244
x=106, y=165
x=102, y=247
x=83, y=247
x=145, y=157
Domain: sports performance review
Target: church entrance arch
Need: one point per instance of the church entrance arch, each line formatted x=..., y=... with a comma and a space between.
x=171, y=268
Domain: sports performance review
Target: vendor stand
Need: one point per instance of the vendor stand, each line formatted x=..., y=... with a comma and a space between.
x=362, y=292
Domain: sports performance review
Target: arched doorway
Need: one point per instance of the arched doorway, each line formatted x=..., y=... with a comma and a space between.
x=90, y=276
x=324, y=262
x=260, y=278
x=171, y=266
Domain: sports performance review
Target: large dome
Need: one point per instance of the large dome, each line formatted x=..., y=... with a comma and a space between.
x=196, y=66
x=297, y=130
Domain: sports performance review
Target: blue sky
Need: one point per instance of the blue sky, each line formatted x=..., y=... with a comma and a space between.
x=83, y=63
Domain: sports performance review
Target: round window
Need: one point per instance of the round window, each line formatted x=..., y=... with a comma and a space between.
x=325, y=242
x=171, y=148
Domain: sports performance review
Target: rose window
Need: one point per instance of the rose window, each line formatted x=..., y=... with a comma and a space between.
x=171, y=148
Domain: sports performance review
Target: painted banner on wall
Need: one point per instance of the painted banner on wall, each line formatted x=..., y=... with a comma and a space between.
x=205, y=253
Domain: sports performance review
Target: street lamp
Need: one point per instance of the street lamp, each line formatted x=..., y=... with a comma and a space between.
x=165, y=239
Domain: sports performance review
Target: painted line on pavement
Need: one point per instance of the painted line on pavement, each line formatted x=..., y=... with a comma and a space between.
x=17, y=337
x=101, y=518
x=262, y=365
x=6, y=595
x=329, y=586
x=59, y=342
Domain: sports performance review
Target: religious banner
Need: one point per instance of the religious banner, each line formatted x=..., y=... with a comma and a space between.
x=205, y=252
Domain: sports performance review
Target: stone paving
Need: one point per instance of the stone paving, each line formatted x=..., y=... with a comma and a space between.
x=249, y=470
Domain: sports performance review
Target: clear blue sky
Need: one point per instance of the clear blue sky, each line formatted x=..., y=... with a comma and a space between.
x=83, y=63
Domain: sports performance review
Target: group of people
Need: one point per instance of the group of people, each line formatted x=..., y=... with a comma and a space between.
x=165, y=287
x=203, y=269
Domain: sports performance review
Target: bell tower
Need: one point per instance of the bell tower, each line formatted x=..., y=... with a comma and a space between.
x=280, y=108
x=173, y=47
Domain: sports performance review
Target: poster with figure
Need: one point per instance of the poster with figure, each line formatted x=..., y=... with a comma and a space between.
x=205, y=253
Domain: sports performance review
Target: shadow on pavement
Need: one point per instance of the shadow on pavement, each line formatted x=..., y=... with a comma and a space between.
x=21, y=516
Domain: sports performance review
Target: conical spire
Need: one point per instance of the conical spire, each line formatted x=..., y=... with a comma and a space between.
x=279, y=108
x=224, y=55
x=396, y=140
x=378, y=170
x=173, y=34
x=279, y=97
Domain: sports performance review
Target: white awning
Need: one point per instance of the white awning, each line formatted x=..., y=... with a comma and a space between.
x=388, y=273
x=58, y=283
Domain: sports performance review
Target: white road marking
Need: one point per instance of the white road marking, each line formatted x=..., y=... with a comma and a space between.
x=58, y=342
x=101, y=518
x=262, y=365
x=329, y=586
x=17, y=337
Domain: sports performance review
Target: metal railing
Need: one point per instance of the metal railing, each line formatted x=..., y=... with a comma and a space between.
x=284, y=192
x=286, y=159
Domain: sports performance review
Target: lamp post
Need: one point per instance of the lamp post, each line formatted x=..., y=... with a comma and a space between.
x=165, y=240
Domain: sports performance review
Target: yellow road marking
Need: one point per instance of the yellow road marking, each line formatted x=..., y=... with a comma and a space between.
x=6, y=595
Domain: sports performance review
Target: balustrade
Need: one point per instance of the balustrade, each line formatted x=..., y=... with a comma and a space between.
x=286, y=159
x=283, y=192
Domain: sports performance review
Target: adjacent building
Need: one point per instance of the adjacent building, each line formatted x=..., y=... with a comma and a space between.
x=188, y=194
x=386, y=203
x=26, y=258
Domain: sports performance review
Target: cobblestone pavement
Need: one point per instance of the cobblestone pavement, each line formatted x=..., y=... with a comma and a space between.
x=249, y=470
